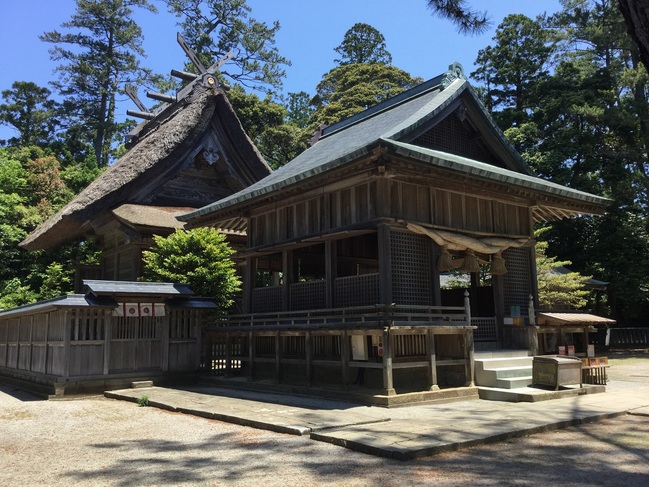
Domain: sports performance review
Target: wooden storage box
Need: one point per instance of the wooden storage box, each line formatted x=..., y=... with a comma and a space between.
x=556, y=371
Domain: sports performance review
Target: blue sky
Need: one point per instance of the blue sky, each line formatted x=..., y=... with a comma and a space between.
x=420, y=43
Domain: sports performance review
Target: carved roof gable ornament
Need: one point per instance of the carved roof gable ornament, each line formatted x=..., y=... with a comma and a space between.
x=455, y=71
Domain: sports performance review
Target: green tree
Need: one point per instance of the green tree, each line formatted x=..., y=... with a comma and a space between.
x=467, y=20
x=363, y=44
x=349, y=89
x=98, y=55
x=31, y=112
x=511, y=70
x=200, y=258
x=214, y=27
x=558, y=289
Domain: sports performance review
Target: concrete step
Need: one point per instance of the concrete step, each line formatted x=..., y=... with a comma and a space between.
x=506, y=373
x=497, y=363
x=484, y=354
x=513, y=382
x=532, y=394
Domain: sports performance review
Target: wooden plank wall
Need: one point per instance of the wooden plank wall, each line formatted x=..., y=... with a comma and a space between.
x=390, y=199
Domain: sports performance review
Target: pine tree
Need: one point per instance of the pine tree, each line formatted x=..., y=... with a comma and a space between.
x=99, y=54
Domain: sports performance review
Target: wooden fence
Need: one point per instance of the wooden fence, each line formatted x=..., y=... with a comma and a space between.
x=628, y=338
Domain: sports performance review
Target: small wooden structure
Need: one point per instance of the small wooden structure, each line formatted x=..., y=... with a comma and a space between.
x=114, y=334
x=364, y=222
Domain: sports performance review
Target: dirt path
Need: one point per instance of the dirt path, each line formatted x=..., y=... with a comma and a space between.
x=97, y=441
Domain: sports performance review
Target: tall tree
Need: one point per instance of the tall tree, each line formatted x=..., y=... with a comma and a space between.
x=99, y=53
x=586, y=128
x=214, y=27
x=31, y=112
x=349, y=89
x=512, y=69
x=363, y=44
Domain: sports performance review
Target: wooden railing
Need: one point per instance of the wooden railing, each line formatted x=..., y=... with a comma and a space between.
x=359, y=317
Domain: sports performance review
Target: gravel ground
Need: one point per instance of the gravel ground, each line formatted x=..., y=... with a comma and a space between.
x=98, y=441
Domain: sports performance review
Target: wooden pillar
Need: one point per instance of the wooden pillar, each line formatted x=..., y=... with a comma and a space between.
x=308, y=351
x=249, y=283
x=432, y=361
x=278, y=357
x=108, y=333
x=344, y=356
x=385, y=265
x=434, y=274
x=66, y=343
x=164, y=335
x=287, y=270
x=469, y=364
x=331, y=272
x=251, y=355
x=228, y=354
x=198, y=330
x=388, y=383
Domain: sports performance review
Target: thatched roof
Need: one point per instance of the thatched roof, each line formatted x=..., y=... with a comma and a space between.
x=151, y=216
x=159, y=154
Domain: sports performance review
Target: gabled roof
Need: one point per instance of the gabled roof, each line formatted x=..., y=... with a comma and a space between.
x=395, y=124
x=160, y=152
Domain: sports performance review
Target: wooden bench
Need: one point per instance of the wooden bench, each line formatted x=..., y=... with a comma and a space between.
x=594, y=374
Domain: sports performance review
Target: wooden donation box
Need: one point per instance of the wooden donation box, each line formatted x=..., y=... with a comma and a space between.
x=556, y=371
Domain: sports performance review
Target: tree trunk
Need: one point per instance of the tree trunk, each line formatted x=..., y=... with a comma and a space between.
x=636, y=17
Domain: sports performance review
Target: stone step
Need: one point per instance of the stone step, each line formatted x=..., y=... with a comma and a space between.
x=496, y=363
x=505, y=373
x=485, y=354
x=513, y=382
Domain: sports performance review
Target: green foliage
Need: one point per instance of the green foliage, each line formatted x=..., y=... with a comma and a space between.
x=558, y=290
x=214, y=27
x=512, y=69
x=569, y=92
x=347, y=90
x=57, y=281
x=363, y=44
x=98, y=54
x=143, y=401
x=467, y=20
x=31, y=112
x=199, y=258
x=13, y=293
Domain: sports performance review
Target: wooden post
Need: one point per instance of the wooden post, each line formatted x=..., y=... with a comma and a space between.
x=388, y=383
x=344, y=357
x=251, y=355
x=469, y=364
x=531, y=313
x=287, y=270
x=228, y=354
x=385, y=265
x=198, y=324
x=278, y=357
x=108, y=333
x=309, y=357
x=165, y=331
x=249, y=283
x=330, y=271
x=66, y=343
x=432, y=361
x=467, y=307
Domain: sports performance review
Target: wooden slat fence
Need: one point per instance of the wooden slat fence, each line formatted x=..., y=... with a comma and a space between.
x=628, y=337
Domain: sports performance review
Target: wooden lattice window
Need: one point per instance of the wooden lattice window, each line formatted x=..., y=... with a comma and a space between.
x=518, y=280
x=411, y=268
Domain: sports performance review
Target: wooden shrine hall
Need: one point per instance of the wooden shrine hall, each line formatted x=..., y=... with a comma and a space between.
x=347, y=243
